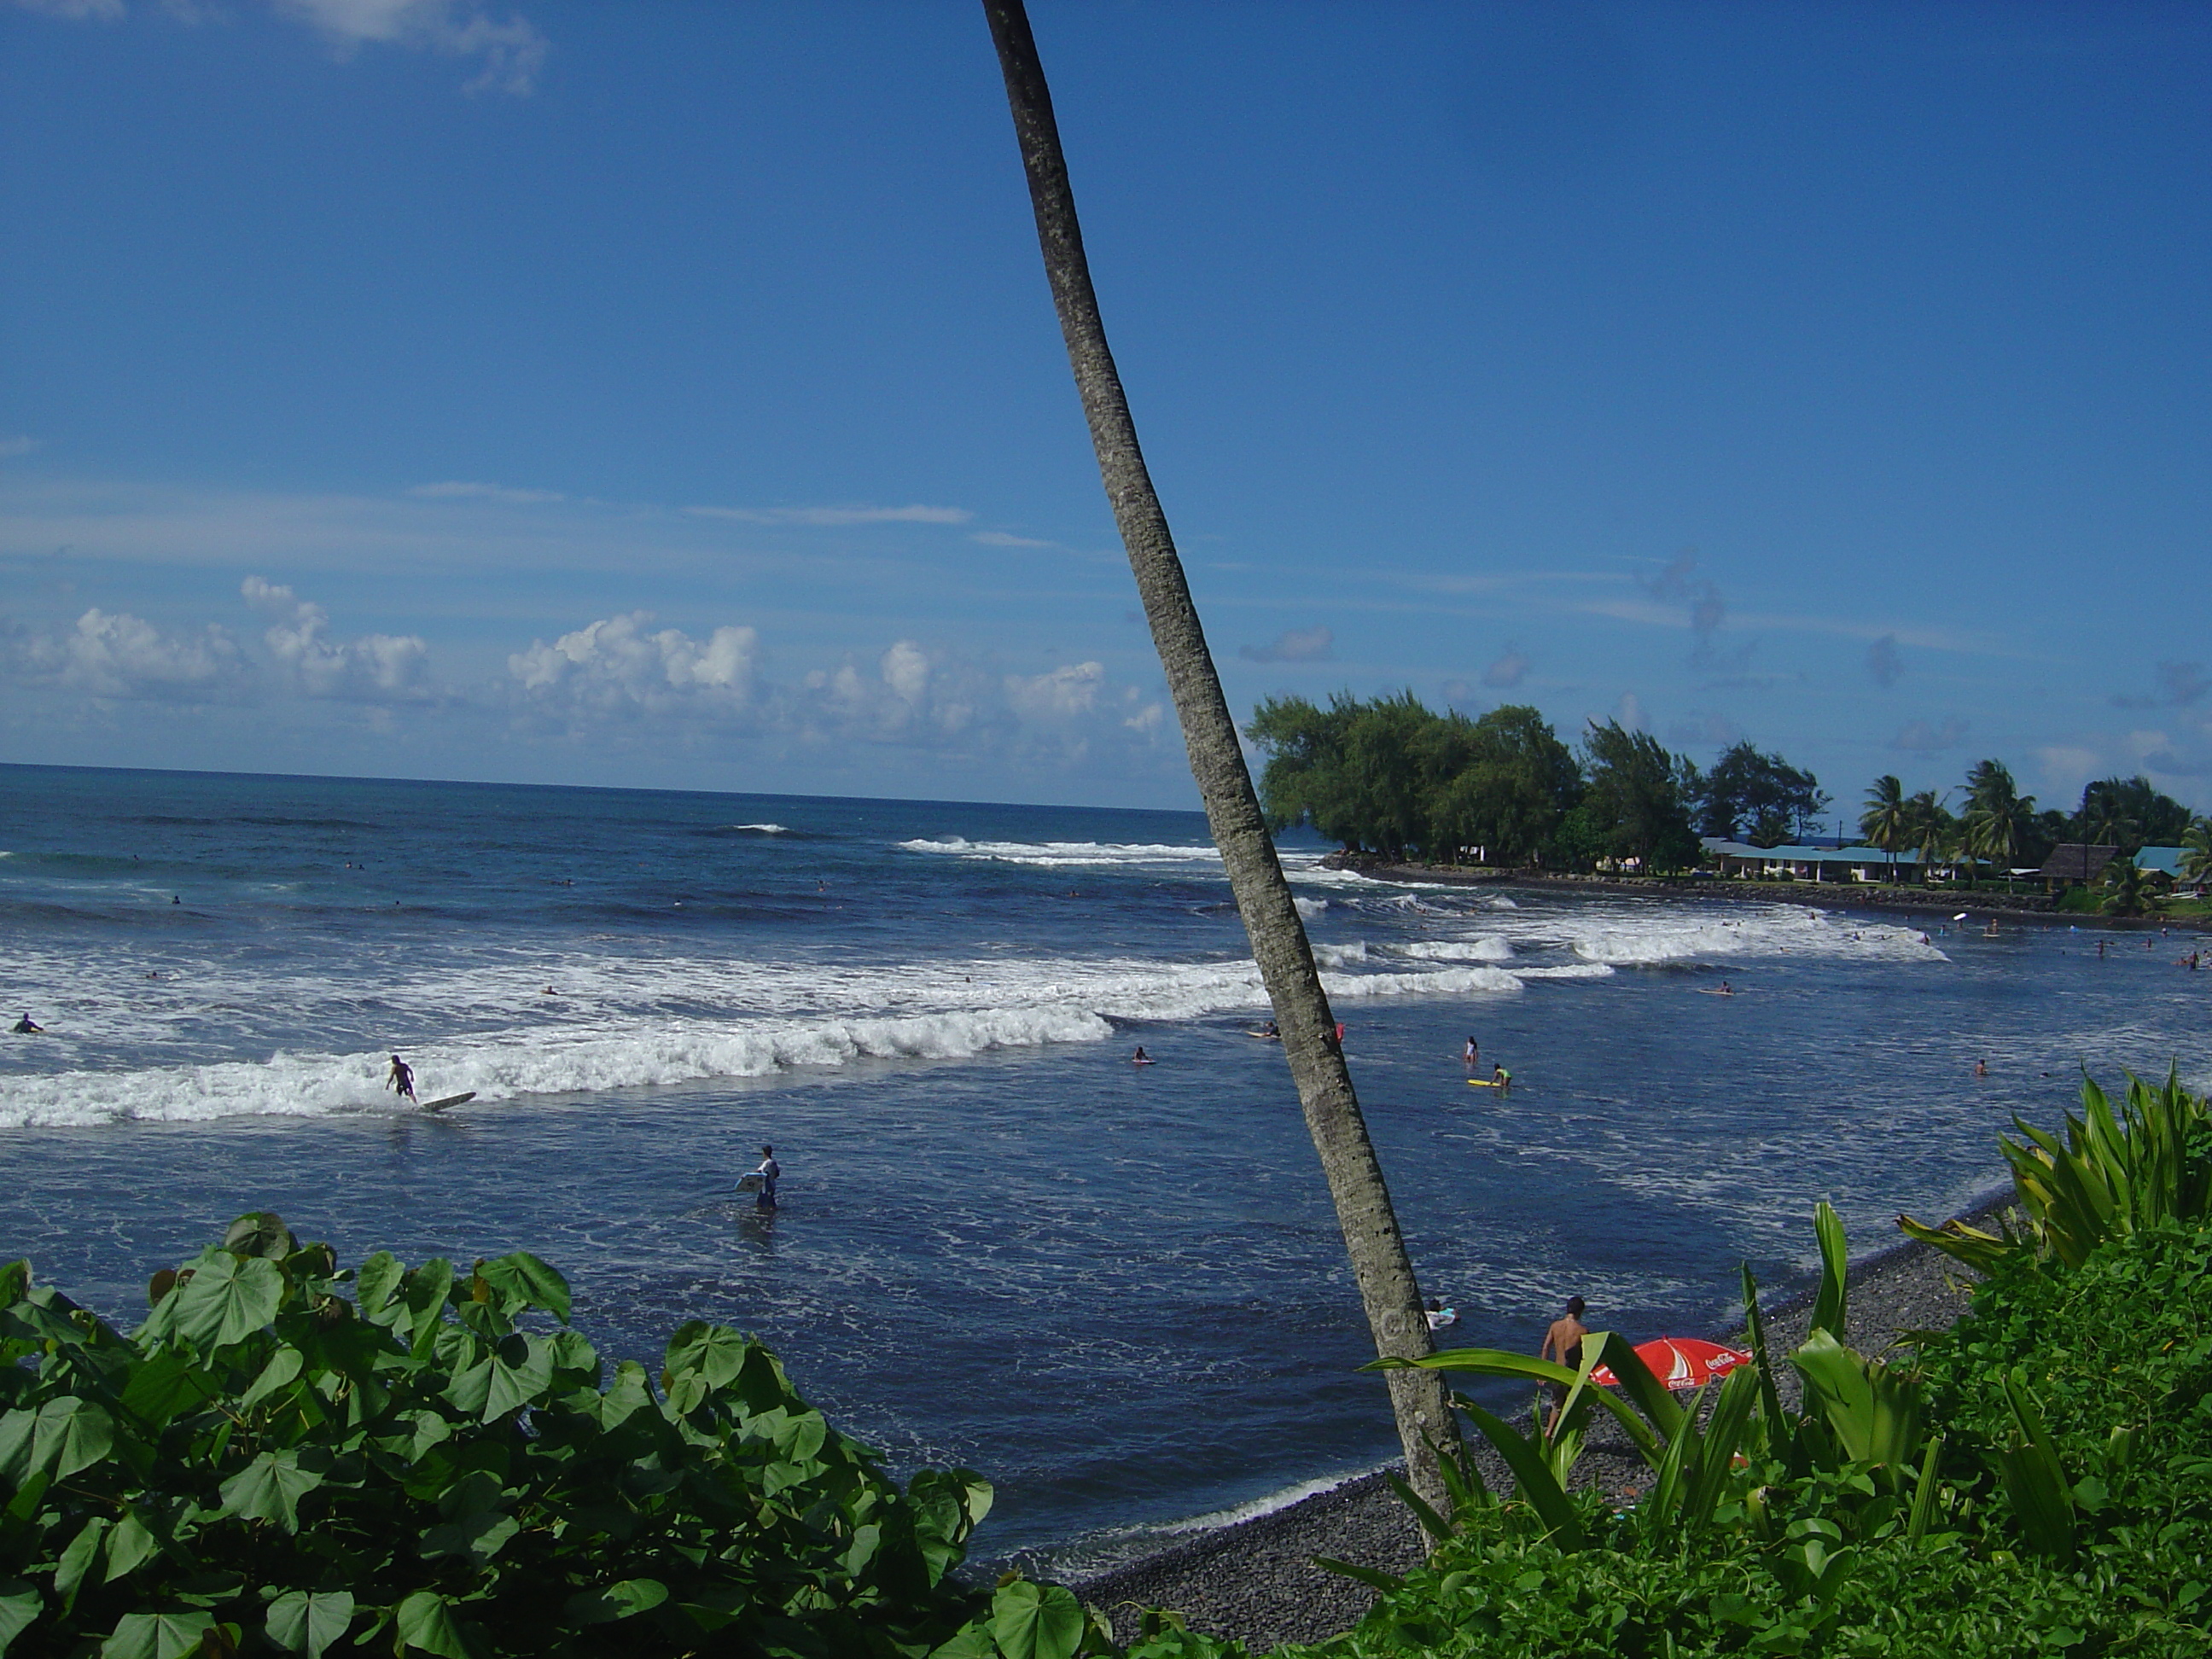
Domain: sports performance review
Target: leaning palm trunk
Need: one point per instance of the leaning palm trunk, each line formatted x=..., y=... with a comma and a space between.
x=1387, y=1286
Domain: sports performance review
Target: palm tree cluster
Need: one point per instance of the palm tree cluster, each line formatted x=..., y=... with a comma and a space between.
x=1998, y=825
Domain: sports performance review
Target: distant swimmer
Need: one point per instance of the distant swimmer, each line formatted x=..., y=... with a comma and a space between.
x=1440, y=1315
x=401, y=1077
x=27, y=1027
x=1981, y=1068
x=1473, y=1054
x=548, y=990
x=1500, y=1078
x=770, y=1172
x=1140, y=1058
x=1727, y=989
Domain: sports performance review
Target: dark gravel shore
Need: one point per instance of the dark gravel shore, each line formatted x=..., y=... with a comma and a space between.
x=1257, y=1580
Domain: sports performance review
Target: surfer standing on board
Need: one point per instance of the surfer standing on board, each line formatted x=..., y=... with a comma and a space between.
x=401, y=1077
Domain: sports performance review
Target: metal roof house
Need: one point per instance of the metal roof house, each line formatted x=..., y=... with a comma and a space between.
x=1812, y=863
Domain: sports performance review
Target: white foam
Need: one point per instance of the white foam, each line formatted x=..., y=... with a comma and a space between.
x=1765, y=931
x=1487, y=948
x=1055, y=854
x=1310, y=909
x=762, y=828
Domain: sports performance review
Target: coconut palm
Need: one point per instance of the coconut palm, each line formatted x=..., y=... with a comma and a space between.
x=1930, y=827
x=2197, y=851
x=1426, y=1425
x=1998, y=818
x=1886, y=822
x=2132, y=891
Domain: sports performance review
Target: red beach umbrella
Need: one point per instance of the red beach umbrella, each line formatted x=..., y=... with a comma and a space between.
x=1681, y=1362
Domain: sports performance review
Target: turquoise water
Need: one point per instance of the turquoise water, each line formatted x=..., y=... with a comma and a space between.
x=1118, y=1292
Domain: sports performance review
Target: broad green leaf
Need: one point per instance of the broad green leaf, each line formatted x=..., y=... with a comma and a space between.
x=260, y=1233
x=1035, y=1621
x=1873, y=1412
x=14, y=1280
x=424, y=1621
x=521, y=1370
x=301, y=1622
x=80, y=1561
x=1828, y=1306
x=715, y=1352
x=131, y=1546
x=166, y=1386
x=283, y=1368
x=380, y=1275
x=524, y=1277
x=2034, y=1478
x=66, y=1435
x=225, y=1299
x=20, y=1604
x=156, y=1635
x=479, y=1536
x=269, y=1488
x=973, y=1643
x=428, y=1288
x=620, y=1601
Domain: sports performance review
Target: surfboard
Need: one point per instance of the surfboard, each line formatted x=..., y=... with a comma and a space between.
x=1702, y=991
x=450, y=1100
x=1487, y=1083
x=1265, y=1036
x=751, y=1183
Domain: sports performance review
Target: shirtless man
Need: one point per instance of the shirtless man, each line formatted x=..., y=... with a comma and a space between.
x=401, y=1077
x=1563, y=1343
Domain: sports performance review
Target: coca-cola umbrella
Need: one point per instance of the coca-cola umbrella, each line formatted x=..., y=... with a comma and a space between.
x=1679, y=1362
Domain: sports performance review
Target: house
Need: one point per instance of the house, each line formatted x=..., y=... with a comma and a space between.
x=1838, y=864
x=2073, y=861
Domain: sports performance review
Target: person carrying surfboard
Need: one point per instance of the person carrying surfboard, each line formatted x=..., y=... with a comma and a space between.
x=770, y=1172
x=401, y=1077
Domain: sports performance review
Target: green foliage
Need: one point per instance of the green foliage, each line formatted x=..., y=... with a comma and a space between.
x=1759, y=795
x=1392, y=777
x=1641, y=794
x=434, y=1464
x=2131, y=890
x=2113, y=1174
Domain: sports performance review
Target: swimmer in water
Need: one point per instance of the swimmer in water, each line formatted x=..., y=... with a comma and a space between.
x=1473, y=1054
x=1500, y=1078
x=401, y=1077
x=1140, y=1058
x=27, y=1027
x=1981, y=1068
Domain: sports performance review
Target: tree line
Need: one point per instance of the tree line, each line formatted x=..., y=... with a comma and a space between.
x=1390, y=776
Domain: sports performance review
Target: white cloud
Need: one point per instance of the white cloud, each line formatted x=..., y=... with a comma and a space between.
x=511, y=52
x=77, y=11
x=374, y=668
x=618, y=668
x=836, y=515
x=457, y=491
x=1508, y=671
x=1001, y=538
x=1294, y=645
x=116, y=656
x=1063, y=694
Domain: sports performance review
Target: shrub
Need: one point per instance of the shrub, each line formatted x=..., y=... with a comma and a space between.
x=435, y=1463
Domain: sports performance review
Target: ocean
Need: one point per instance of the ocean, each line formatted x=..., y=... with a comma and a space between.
x=1117, y=1291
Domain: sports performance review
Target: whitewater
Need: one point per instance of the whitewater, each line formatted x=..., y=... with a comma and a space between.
x=1120, y=1292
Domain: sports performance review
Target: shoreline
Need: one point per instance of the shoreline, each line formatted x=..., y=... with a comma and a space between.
x=2025, y=907
x=1255, y=1579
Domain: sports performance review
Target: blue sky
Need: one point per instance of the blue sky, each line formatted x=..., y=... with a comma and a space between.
x=668, y=394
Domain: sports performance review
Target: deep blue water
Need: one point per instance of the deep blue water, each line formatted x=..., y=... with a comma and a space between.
x=1118, y=1293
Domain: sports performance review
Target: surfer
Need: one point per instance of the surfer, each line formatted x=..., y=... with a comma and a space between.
x=1140, y=1058
x=1473, y=1054
x=1440, y=1315
x=1727, y=989
x=770, y=1172
x=1563, y=1342
x=1500, y=1078
x=401, y=1077
x=27, y=1027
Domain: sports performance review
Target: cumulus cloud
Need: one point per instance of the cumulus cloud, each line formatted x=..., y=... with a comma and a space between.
x=836, y=515
x=118, y=656
x=2173, y=685
x=1294, y=645
x=621, y=668
x=1508, y=671
x=458, y=491
x=509, y=52
x=374, y=668
x=1883, y=662
x=1919, y=737
x=1001, y=538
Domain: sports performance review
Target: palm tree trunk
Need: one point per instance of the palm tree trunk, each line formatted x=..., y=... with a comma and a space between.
x=1371, y=1237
